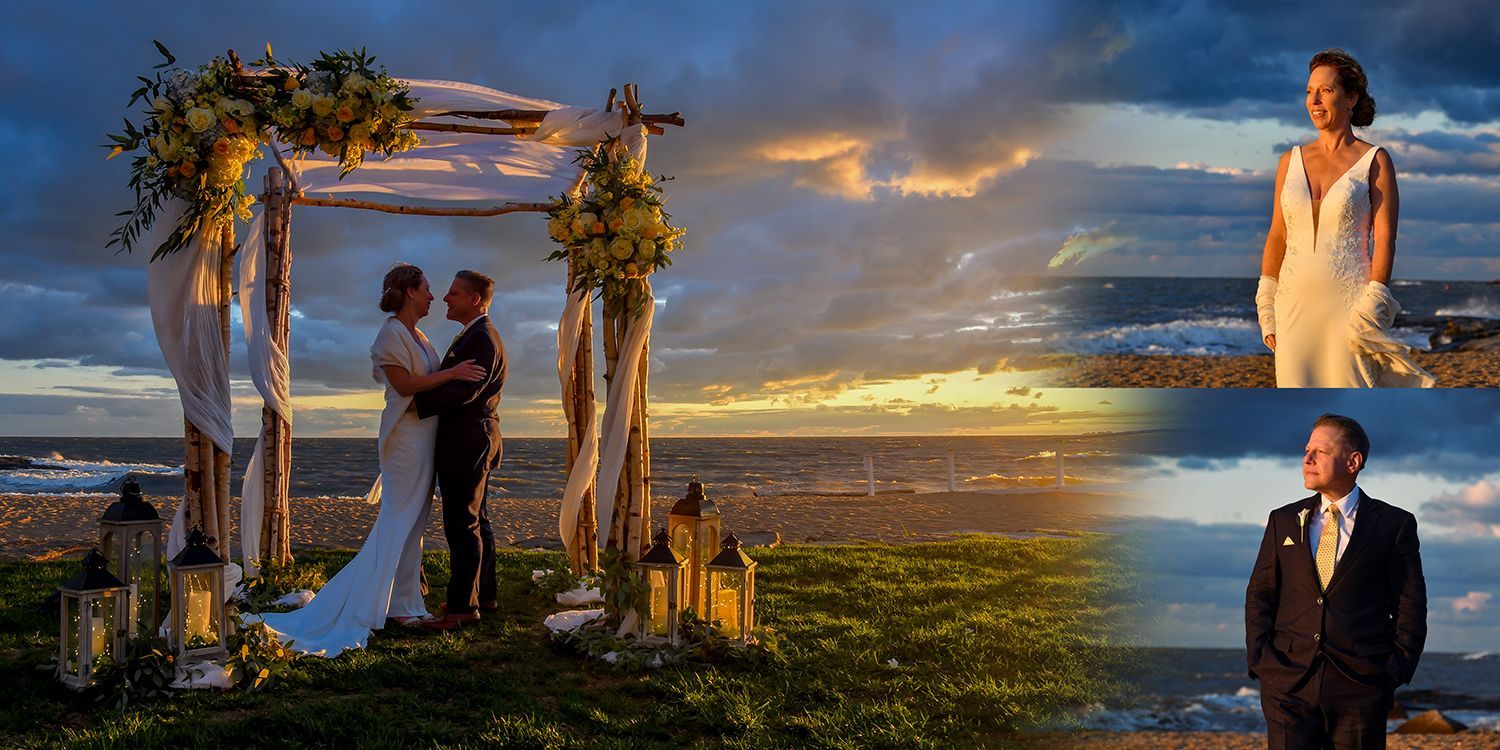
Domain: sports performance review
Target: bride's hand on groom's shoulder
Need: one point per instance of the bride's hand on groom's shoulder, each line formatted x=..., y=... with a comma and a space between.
x=465, y=370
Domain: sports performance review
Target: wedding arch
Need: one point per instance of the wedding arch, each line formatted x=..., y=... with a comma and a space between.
x=319, y=122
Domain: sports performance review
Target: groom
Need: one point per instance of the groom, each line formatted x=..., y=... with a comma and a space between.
x=468, y=446
x=1336, y=610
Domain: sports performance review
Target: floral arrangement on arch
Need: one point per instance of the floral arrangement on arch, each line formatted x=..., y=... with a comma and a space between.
x=617, y=231
x=205, y=125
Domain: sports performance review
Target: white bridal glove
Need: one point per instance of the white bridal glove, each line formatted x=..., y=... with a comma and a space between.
x=1374, y=310
x=1265, y=306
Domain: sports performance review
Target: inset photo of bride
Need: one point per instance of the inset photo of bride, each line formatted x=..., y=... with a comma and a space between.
x=1306, y=553
x=1308, y=216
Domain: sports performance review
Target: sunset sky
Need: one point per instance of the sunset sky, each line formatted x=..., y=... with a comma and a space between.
x=870, y=190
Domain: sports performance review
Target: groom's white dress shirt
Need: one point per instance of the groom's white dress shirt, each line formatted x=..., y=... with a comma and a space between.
x=1348, y=506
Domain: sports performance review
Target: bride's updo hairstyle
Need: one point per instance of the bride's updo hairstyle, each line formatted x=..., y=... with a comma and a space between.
x=1352, y=80
x=401, y=277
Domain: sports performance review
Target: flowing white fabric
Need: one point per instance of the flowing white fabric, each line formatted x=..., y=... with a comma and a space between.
x=1383, y=360
x=616, y=432
x=384, y=579
x=470, y=166
x=569, y=332
x=271, y=372
x=1322, y=277
x=184, y=292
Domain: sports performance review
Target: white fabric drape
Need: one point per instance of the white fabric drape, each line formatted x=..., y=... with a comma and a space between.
x=569, y=331
x=184, y=291
x=616, y=433
x=470, y=166
x=271, y=372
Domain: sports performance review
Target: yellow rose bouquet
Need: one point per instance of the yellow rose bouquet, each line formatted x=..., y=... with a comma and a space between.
x=616, y=232
x=202, y=127
x=341, y=106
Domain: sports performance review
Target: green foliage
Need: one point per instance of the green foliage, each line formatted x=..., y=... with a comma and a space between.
x=557, y=581
x=257, y=658
x=145, y=674
x=621, y=586
x=277, y=579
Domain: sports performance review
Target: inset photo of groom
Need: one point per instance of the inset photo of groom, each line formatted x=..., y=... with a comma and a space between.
x=1318, y=568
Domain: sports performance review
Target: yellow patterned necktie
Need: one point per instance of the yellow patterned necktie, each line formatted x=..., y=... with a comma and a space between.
x=1328, y=546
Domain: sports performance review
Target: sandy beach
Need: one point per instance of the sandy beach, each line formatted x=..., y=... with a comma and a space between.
x=1452, y=369
x=36, y=526
x=1251, y=741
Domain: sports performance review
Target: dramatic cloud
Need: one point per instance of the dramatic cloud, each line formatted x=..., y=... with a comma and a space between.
x=1472, y=510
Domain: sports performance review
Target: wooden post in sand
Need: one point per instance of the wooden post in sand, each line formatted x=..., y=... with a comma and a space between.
x=205, y=467
x=276, y=432
x=578, y=400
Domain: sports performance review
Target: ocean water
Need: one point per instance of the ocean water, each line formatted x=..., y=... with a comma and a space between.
x=534, y=467
x=1217, y=316
x=1195, y=690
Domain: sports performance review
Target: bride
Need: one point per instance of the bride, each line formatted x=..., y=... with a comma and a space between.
x=383, y=581
x=1323, y=302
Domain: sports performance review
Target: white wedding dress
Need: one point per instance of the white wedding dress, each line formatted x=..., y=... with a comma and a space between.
x=1332, y=325
x=384, y=580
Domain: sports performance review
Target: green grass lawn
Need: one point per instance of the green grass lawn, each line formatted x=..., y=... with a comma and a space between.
x=990, y=637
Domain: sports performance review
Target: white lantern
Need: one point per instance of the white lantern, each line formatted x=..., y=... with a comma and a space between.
x=665, y=575
x=198, y=631
x=694, y=525
x=130, y=534
x=95, y=621
x=731, y=592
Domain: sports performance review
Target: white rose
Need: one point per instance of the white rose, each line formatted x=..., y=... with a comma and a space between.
x=647, y=249
x=636, y=219
x=200, y=119
x=302, y=99
x=322, y=106
x=621, y=248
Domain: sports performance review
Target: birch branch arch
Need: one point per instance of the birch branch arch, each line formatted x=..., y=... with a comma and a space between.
x=460, y=162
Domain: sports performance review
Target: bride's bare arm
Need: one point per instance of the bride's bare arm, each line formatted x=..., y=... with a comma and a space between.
x=407, y=384
x=1385, y=204
x=1275, y=251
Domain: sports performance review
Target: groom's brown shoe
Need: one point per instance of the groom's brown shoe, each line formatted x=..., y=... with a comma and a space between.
x=451, y=621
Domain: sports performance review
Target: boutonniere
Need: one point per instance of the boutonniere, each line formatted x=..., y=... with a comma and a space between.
x=1302, y=523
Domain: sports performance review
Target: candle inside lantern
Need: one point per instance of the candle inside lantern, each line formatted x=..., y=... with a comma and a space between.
x=97, y=632
x=200, y=615
x=657, y=623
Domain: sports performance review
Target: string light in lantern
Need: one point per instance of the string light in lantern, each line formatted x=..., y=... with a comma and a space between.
x=731, y=591
x=95, y=621
x=198, y=631
x=130, y=534
x=665, y=574
x=695, y=528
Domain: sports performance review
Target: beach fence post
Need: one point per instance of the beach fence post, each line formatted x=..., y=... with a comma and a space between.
x=952, y=483
x=870, y=473
x=1059, y=466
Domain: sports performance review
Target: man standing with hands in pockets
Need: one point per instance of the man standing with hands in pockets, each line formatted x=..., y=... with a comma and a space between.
x=1336, y=609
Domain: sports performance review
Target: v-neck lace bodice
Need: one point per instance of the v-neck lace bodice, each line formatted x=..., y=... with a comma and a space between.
x=1340, y=238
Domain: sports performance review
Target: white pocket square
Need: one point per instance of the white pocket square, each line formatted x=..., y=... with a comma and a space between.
x=1288, y=542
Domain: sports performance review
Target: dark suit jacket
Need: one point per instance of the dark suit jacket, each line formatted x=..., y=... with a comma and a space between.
x=1371, y=622
x=468, y=415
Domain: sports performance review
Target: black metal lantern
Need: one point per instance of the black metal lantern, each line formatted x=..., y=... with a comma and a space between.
x=198, y=631
x=665, y=575
x=130, y=535
x=95, y=621
x=731, y=591
x=694, y=525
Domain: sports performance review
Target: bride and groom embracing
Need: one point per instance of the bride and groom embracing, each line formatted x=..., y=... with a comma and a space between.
x=440, y=423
